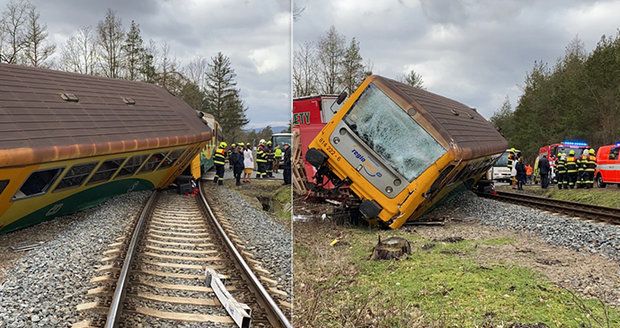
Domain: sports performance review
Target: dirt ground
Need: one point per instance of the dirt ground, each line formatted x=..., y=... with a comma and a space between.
x=337, y=286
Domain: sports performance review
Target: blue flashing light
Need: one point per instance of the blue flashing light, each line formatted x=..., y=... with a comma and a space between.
x=575, y=143
x=618, y=144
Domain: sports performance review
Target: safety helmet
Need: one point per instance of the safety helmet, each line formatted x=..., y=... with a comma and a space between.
x=592, y=151
x=223, y=144
x=269, y=143
x=241, y=144
x=571, y=152
x=233, y=145
x=262, y=141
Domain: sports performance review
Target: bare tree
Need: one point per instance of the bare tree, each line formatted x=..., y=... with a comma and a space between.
x=304, y=70
x=110, y=39
x=37, y=49
x=413, y=79
x=167, y=70
x=12, y=26
x=196, y=71
x=330, y=53
x=79, y=52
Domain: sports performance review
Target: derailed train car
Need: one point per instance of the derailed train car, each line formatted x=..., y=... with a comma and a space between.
x=70, y=141
x=401, y=149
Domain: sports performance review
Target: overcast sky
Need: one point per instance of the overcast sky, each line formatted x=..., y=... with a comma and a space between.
x=476, y=52
x=254, y=34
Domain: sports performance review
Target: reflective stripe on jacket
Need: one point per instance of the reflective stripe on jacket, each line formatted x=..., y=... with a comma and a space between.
x=220, y=156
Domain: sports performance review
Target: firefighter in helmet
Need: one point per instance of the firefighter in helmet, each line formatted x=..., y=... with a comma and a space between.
x=219, y=159
x=590, y=168
x=269, y=153
x=582, y=163
x=560, y=170
x=571, y=169
x=261, y=159
x=277, y=158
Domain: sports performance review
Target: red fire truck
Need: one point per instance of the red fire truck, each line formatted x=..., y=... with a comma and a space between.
x=553, y=150
x=310, y=114
x=608, y=165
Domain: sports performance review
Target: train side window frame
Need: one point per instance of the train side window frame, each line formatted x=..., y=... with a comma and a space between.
x=171, y=160
x=120, y=174
x=43, y=190
x=97, y=171
x=145, y=169
x=81, y=183
x=3, y=185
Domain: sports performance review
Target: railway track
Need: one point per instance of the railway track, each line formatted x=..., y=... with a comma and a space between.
x=178, y=267
x=592, y=212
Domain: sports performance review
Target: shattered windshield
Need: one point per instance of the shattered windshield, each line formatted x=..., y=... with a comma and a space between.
x=392, y=133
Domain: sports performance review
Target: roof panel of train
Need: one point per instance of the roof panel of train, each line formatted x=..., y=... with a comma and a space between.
x=474, y=135
x=48, y=115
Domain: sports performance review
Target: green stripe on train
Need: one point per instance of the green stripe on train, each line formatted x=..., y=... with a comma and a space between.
x=80, y=201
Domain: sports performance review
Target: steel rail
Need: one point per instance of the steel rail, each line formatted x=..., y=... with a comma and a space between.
x=274, y=313
x=116, y=306
x=600, y=213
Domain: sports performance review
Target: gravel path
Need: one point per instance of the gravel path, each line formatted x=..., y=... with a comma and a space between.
x=559, y=230
x=268, y=239
x=43, y=288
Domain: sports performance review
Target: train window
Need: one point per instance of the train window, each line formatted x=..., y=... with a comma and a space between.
x=3, y=184
x=75, y=176
x=171, y=158
x=152, y=162
x=38, y=183
x=106, y=170
x=132, y=165
x=393, y=134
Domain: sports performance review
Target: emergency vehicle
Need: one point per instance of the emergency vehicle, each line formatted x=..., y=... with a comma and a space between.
x=608, y=165
x=553, y=150
x=310, y=114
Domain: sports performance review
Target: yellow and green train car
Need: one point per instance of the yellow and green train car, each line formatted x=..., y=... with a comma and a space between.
x=401, y=149
x=70, y=141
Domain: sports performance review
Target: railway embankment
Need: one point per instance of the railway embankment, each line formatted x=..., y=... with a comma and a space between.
x=489, y=264
x=609, y=196
x=42, y=286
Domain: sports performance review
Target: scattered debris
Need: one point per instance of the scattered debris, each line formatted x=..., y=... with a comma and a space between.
x=425, y=223
x=391, y=248
x=25, y=246
x=428, y=246
x=548, y=261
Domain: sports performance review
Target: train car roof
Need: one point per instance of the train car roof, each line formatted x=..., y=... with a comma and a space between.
x=48, y=115
x=470, y=132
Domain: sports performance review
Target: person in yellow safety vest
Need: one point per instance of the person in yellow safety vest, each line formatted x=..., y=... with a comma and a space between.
x=277, y=157
x=261, y=160
x=582, y=162
x=219, y=158
x=590, y=168
x=571, y=169
x=269, y=153
x=560, y=169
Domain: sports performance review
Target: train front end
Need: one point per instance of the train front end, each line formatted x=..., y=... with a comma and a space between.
x=387, y=152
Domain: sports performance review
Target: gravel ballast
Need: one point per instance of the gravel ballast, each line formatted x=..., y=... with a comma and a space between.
x=43, y=288
x=555, y=229
x=268, y=239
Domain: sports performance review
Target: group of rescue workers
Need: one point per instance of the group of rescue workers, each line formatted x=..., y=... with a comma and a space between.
x=570, y=171
x=241, y=161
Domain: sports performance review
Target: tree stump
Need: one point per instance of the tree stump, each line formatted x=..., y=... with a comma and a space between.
x=391, y=248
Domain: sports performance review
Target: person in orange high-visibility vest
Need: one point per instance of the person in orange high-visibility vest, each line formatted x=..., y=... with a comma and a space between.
x=219, y=159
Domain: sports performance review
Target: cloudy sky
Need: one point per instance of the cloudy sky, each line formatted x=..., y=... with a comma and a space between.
x=476, y=52
x=255, y=34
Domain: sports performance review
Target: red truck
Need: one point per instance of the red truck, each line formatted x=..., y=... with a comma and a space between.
x=310, y=114
x=608, y=165
x=553, y=150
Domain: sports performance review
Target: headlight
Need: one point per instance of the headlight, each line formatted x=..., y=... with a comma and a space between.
x=389, y=189
x=336, y=140
x=397, y=182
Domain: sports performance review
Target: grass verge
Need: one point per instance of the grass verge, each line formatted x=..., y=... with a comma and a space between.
x=439, y=285
x=609, y=196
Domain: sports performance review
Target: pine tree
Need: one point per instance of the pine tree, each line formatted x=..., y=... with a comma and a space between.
x=222, y=98
x=111, y=34
x=133, y=51
x=351, y=68
x=413, y=79
x=146, y=66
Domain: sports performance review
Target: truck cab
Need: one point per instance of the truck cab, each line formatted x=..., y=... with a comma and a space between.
x=607, y=165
